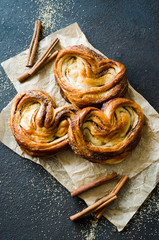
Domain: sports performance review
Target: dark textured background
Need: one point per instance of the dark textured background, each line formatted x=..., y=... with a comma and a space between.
x=33, y=205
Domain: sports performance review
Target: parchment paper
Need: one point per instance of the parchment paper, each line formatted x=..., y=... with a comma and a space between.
x=142, y=166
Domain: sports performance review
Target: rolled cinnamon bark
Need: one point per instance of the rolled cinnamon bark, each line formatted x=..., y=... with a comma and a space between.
x=94, y=206
x=93, y=184
x=34, y=44
x=40, y=63
x=115, y=190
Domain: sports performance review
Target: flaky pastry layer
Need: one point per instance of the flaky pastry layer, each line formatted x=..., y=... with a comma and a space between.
x=87, y=78
x=39, y=127
x=107, y=136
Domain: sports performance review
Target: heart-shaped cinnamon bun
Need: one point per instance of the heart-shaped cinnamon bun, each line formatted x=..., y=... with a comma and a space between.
x=107, y=135
x=87, y=78
x=38, y=126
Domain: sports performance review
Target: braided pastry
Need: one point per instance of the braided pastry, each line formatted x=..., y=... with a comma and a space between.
x=88, y=79
x=107, y=135
x=38, y=126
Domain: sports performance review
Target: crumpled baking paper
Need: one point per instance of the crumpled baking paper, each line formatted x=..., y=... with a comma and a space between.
x=72, y=171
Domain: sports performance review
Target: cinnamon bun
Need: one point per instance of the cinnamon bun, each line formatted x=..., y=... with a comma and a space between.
x=87, y=78
x=107, y=136
x=39, y=127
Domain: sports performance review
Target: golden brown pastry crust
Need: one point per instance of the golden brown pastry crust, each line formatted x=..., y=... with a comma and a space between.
x=39, y=127
x=87, y=78
x=106, y=136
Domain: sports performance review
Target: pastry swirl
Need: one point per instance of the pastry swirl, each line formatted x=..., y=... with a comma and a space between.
x=87, y=78
x=39, y=127
x=107, y=136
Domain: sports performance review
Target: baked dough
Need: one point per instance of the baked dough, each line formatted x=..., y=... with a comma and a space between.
x=107, y=136
x=87, y=78
x=39, y=127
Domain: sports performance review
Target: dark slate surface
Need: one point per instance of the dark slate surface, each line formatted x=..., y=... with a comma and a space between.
x=33, y=204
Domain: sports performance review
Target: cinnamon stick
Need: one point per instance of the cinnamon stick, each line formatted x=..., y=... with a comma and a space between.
x=93, y=184
x=115, y=190
x=94, y=206
x=105, y=204
x=34, y=44
x=101, y=211
x=50, y=57
x=40, y=63
x=120, y=184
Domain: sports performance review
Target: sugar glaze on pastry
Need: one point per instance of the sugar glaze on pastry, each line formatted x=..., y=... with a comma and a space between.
x=87, y=78
x=107, y=135
x=38, y=126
